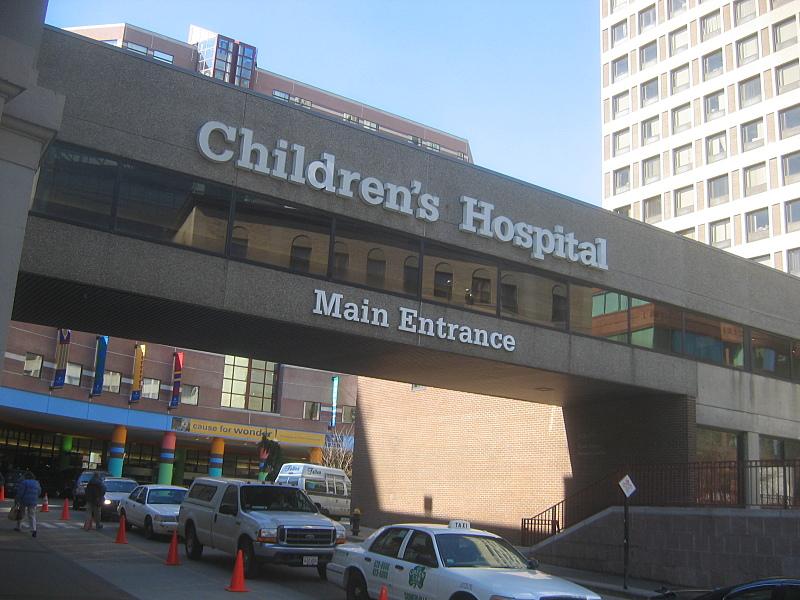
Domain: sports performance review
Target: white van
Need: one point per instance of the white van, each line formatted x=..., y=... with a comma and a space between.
x=329, y=488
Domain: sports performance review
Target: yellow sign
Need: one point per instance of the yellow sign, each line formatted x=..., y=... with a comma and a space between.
x=249, y=433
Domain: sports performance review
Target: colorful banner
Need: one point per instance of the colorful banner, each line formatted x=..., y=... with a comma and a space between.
x=62, y=355
x=138, y=373
x=252, y=433
x=177, y=371
x=101, y=349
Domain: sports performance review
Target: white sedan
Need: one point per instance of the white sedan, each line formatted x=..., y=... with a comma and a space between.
x=443, y=562
x=154, y=508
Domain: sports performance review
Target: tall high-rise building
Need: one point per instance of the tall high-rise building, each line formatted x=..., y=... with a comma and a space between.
x=701, y=121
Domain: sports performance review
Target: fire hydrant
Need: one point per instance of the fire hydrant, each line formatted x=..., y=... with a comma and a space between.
x=355, y=520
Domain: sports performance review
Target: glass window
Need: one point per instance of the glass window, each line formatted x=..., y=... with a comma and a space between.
x=789, y=121
x=714, y=340
x=688, y=233
x=248, y=383
x=717, y=446
x=311, y=410
x=138, y=48
x=648, y=54
x=348, y=414
x=755, y=179
x=681, y=118
x=651, y=169
x=619, y=68
x=647, y=18
x=716, y=147
x=74, y=374
x=715, y=105
x=684, y=201
x=785, y=33
x=280, y=235
x=652, y=209
x=757, y=224
x=766, y=259
x=651, y=130
x=622, y=141
x=655, y=326
x=625, y=211
x=150, y=388
x=389, y=541
x=710, y=25
x=533, y=298
x=280, y=95
x=750, y=91
x=163, y=56
x=616, y=4
x=720, y=233
x=678, y=41
x=33, y=365
x=788, y=76
x=649, y=90
x=366, y=256
x=77, y=185
x=752, y=134
x=680, y=79
x=717, y=190
x=682, y=158
x=793, y=262
x=793, y=215
x=111, y=381
x=791, y=168
x=619, y=32
x=458, y=279
x=190, y=394
x=419, y=550
x=744, y=10
x=598, y=312
x=747, y=49
x=622, y=180
x=676, y=6
x=712, y=65
x=170, y=207
x=621, y=104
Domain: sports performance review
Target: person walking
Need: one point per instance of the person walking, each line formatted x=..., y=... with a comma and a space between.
x=28, y=492
x=95, y=495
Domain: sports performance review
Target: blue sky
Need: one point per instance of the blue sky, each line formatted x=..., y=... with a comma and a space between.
x=518, y=78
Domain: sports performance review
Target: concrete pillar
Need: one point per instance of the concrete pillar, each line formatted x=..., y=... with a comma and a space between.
x=179, y=466
x=167, y=458
x=215, y=457
x=116, y=450
x=29, y=119
x=752, y=451
x=66, y=448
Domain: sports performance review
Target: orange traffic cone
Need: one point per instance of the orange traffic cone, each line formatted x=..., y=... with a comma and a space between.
x=122, y=537
x=2, y=492
x=384, y=595
x=45, y=505
x=237, y=579
x=65, y=510
x=172, y=555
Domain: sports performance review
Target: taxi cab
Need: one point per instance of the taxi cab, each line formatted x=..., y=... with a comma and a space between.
x=443, y=562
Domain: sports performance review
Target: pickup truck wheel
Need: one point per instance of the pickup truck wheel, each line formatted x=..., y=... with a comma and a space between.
x=322, y=570
x=148, y=528
x=356, y=587
x=249, y=558
x=194, y=549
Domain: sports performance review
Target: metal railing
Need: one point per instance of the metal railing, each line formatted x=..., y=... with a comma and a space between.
x=763, y=483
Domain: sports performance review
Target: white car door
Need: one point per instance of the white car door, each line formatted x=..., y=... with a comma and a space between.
x=225, y=526
x=131, y=506
x=418, y=572
x=381, y=562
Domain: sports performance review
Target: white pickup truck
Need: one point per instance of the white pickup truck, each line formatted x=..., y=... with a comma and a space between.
x=268, y=523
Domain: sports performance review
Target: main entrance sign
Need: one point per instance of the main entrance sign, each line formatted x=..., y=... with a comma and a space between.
x=288, y=163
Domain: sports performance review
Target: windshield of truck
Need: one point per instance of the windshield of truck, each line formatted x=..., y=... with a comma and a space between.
x=263, y=497
x=464, y=550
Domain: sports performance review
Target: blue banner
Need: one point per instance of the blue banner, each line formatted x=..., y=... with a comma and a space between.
x=62, y=355
x=99, y=364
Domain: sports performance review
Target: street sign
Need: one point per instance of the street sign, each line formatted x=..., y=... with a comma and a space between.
x=627, y=486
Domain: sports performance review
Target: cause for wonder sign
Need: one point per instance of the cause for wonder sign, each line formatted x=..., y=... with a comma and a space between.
x=221, y=143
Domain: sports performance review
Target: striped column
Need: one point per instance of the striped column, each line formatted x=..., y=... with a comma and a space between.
x=117, y=450
x=167, y=462
x=215, y=458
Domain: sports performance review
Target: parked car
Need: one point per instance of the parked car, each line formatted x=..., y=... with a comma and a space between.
x=154, y=508
x=774, y=588
x=117, y=489
x=13, y=478
x=327, y=487
x=443, y=561
x=267, y=522
x=78, y=493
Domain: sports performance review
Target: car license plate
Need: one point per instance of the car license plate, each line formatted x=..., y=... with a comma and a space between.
x=310, y=561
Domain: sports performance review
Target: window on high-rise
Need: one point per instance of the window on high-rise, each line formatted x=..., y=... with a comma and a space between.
x=793, y=262
x=676, y=6
x=755, y=179
x=684, y=201
x=717, y=190
x=621, y=104
x=617, y=4
x=712, y=65
x=678, y=40
x=619, y=68
x=648, y=54
x=716, y=147
x=757, y=224
x=778, y=3
x=788, y=76
x=622, y=180
x=747, y=50
x=74, y=374
x=647, y=18
x=625, y=211
x=744, y=10
x=652, y=209
x=752, y=134
x=651, y=169
x=679, y=79
x=791, y=168
x=789, y=121
x=750, y=91
x=793, y=215
x=682, y=159
x=622, y=141
x=248, y=384
x=689, y=233
x=163, y=56
x=681, y=118
x=33, y=365
x=311, y=410
x=764, y=259
x=720, y=233
x=651, y=130
x=138, y=48
x=619, y=32
x=649, y=91
x=710, y=25
x=715, y=105
x=785, y=33
x=150, y=388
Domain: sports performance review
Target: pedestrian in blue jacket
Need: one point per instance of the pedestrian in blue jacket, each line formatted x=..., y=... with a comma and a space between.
x=28, y=492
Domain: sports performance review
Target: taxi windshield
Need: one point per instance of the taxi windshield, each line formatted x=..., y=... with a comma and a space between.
x=466, y=550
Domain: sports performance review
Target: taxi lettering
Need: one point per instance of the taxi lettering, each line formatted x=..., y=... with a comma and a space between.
x=380, y=569
x=416, y=577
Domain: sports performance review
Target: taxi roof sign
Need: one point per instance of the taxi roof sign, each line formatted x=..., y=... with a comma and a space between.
x=459, y=524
